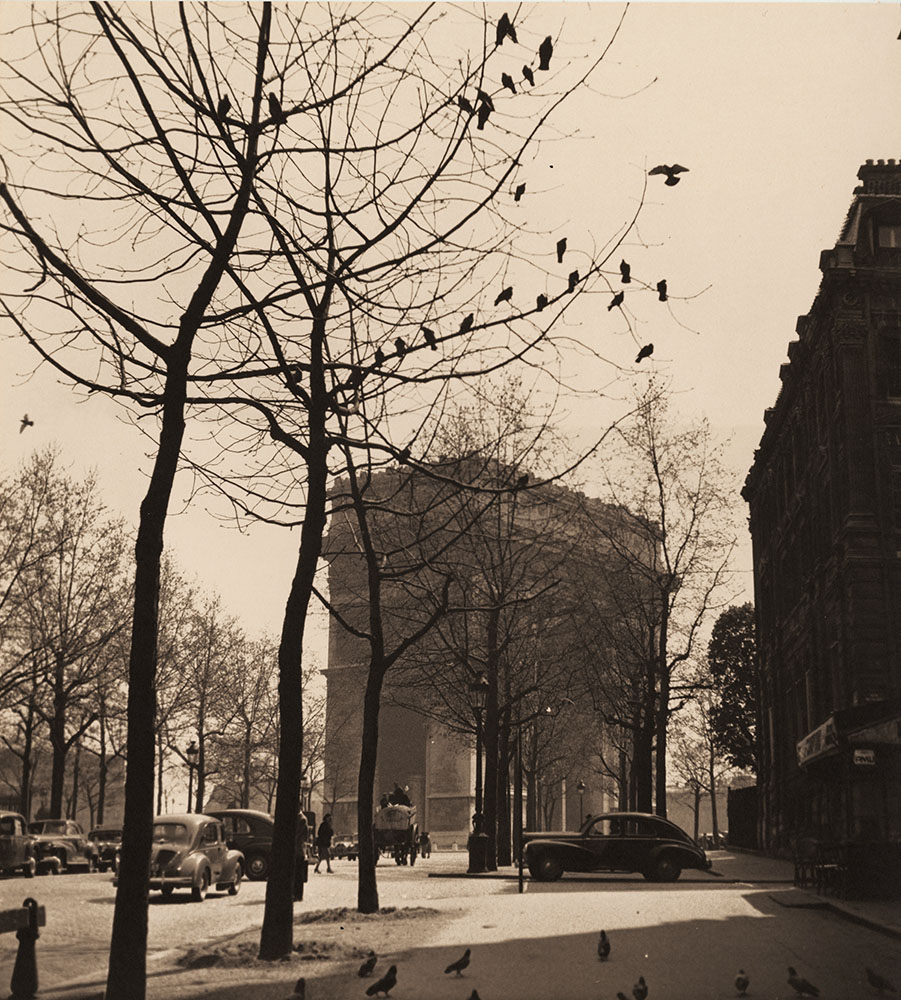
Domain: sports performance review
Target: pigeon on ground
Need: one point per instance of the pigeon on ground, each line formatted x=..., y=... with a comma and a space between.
x=504, y=29
x=504, y=296
x=742, y=982
x=541, y=302
x=527, y=74
x=25, y=423
x=645, y=352
x=561, y=249
x=507, y=81
x=400, y=345
x=384, y=985
x=573, y=280
x=474, y=995
x=465, y=105
x=458, y=966
x=275, y=109
x=603, y=947
x=617, y=300
x=484, y=112
x=430, y=338
x=379, y=359
x=625, y=271
x=300, y=988
x=367, y=967
x=223, y=107
x=879, y=982
x=466, y=325
x=661, y=290
x=519, y=192
x=670, y=172
x=621, y=996
x=640, y=989
x=484, y=98
x=800, y=985
x=545, y=51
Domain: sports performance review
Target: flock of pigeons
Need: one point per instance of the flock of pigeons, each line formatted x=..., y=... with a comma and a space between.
x=801, y=986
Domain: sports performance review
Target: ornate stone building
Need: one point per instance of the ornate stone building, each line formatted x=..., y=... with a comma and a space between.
x=824, y=493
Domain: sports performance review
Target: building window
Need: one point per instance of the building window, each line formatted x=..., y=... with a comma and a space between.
x=889, y=236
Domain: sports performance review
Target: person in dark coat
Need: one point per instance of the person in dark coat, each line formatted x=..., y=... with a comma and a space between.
x=324, y=843
x=300, y=855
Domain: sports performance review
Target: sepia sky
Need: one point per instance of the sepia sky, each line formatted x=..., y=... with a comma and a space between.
x=772, y=107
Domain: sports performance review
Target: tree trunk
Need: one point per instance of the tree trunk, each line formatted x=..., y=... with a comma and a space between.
x=58, y=740
x=76, y=775
x=102, y=765
x=245, y=789
x=713, y=816
x=662, y=709
x=697, y=806
x=159, y=787
x=504, y=851
x=623, y=782
x=367, y=890
x=27, y=766
x=490, y=739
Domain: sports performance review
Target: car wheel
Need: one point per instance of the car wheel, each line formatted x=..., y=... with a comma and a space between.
x=546, y=868
x=667, y=869
x=235, y=887
x=29, y=868
x=257, y=867
x=63, y=862
x=199, y=891
x=101, y=867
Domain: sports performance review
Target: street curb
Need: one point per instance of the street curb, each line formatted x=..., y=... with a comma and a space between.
x=720, y=880
x=854, y=918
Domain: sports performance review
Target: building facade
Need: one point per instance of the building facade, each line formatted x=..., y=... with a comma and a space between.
x=824, y=494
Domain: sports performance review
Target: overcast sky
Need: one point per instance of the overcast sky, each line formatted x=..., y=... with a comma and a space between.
x=772, y=107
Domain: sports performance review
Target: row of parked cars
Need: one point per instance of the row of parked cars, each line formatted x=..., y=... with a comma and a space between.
x=54, y=845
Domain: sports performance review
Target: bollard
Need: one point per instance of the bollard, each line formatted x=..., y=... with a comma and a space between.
x=478, y=853
x=24, y=982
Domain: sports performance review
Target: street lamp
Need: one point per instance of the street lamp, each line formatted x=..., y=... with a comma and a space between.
x=191, y=756
x=478, y=697
x=580, y=788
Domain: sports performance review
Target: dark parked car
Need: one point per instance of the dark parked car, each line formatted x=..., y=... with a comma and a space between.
x=107, y=840
x=249, y=831
x=189, y=852
x=63, y=840
x=347, y=847
x=17, y=850
x=615, y=842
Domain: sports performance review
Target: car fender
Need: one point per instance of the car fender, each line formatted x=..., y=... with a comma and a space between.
x=571, y=856
x=230, y=864
x=189, y=866
x=684, y=857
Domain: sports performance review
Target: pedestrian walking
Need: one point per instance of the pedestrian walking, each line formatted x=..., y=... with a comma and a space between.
x=324, y=843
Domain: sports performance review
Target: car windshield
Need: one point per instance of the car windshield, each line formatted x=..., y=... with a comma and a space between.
x=170, y=833
x=48, y=826
x=105, y=834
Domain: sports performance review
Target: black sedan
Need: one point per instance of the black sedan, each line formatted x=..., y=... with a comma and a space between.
x=250, y=832
x=615, y=842
x=108, y=841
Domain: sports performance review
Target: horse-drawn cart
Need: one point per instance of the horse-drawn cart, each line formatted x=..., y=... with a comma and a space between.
x=396, y=833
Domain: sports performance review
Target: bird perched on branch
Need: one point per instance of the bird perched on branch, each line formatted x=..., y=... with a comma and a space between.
x=561, y=249
x=670, y=173
x=379, y=358
x=541, y=302
x=645, y=352
x=484, y=113
x=504, y=30
x=573, y=280
x=25, y=423
x=400, y=345
x=617, y=300
x=661, y=290
x=625, y=272
x=466, y=325
x=458, y=966
x=507, y=81
x=465, y=105
x=879, y=982
x=403, y=456
x=484, y=98
x=603, y=947
x=223, y=107
x=384, y=985
x=504, y=296
x=429, y=336
x=275, y=109
x=640, y=989
x=800, y=985
x=527, y=74
x=367, y=967
x=742, y=982
x=545, y=51
x=519, y=192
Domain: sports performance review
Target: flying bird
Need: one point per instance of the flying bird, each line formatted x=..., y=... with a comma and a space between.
x=645, y=352
x=458, y=966
x=800, y=985
x=573, y=280
x=484, y=112
x=640, y=989
x=603, y=947
x=519, y=192
x=541, y=302
x=625, y=271
x=617, y=300
x=466, y=325
x=275, y=109
x=25, y=423
x=661, y=290
x=504, y=296
x=545, y=51
x=670, y=172
x=429, y=336
x=223, y=107
x=561, y=250
x=879, y=982
x=400, y=345
x=742, y=982
x=367, y=967
x=300, y=988
x=507, y=81
x=484, y=98
x=527, y=74
x=379, y=359
x=384, y=985
x=465, y=105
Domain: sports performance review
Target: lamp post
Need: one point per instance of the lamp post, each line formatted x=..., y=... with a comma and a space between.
x=478, y=697
x=580, y=788
x=191, y=756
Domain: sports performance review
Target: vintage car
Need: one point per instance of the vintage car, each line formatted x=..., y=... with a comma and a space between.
x=189, y=852
x=61, y=843
x=346, y=846
x=250, y=832
x=107, y=840
x=615, y=842
x=17, y=851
